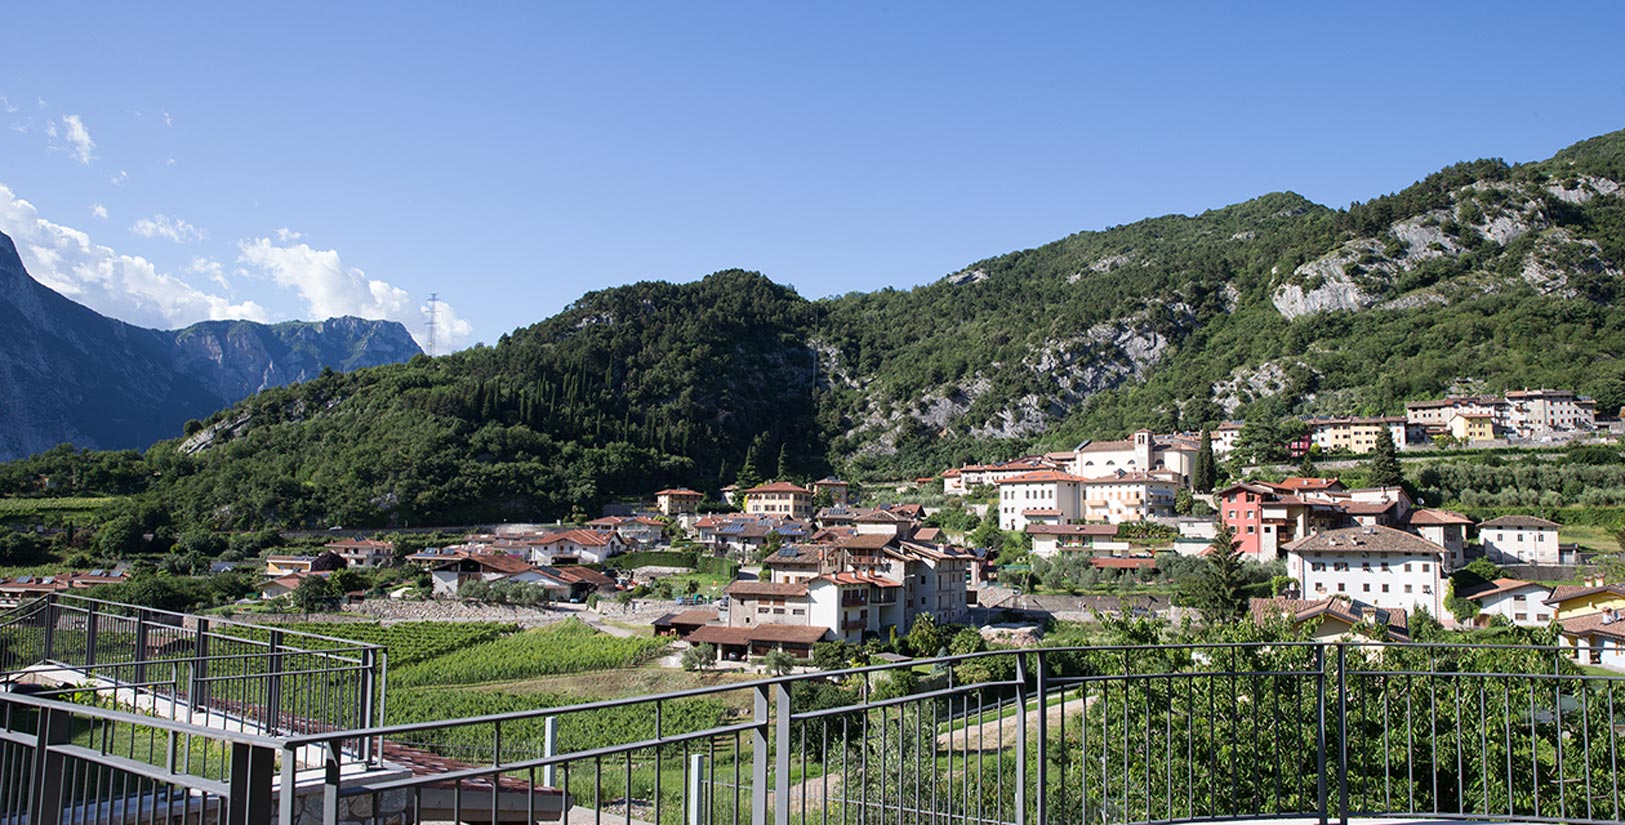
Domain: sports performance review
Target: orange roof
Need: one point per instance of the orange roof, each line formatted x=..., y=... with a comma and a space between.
x=779, y=487
x=585, y=538
x=1438, y=517
x=683, y=492
x=1040, y=477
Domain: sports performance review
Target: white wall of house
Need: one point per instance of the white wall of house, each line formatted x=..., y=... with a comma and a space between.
x=1523, y=607
x=1384, y=579
x=1520, y=545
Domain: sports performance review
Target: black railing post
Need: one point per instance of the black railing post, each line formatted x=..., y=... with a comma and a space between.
x=90, y=638
x=781, y=754
x=252, y=767
x=46, y=802
x=200, y=666
x=758, y=758
x=139, y=673
x=1041, y=779
x=332, y=779
x=1342, y=733
x=50, y=626
x=1021, y=739
x=1320, y=731
x=273, y=685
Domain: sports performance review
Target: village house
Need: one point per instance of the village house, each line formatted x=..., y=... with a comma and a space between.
x=574, y=547
x=1224, y=437
x=1519, y=602
x=1051, y=540
x=633, y=530
x=1435, y=415
x=677, y=501
x=364, y=552
x=839, y=491
x=1143, y=452
x=1355, y=434
x=15, y=591
x=961, y=481
x=1591, y=618
x=1444, y=528
x=283, y=565
x=1469, y=428
x=1520, y=540
x=1043, y=497
x=781, y=499
x=1335, y=619
x=450, y=568
x=1534, y=413
x=1124, y=496
x=1383, y=566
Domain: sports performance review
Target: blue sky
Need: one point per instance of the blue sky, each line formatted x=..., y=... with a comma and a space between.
x=295, y=160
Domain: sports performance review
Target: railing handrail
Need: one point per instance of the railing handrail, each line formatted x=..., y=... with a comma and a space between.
x=143, y=720
x=213, y=621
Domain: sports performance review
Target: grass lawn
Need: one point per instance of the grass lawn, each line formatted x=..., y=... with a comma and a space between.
x=1590, y=537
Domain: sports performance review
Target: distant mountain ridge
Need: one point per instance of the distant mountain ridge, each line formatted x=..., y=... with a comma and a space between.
x=1484, y=275
x=69, y=374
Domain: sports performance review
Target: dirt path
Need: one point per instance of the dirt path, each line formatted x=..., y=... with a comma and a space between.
x=985, y=737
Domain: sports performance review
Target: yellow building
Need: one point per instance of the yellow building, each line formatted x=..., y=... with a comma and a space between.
x=1570, y=601
x=1473, y=427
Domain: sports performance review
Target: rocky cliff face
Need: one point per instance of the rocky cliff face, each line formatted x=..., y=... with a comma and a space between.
x=68, y=374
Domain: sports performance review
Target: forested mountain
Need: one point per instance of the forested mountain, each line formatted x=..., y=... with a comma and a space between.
x=68, y=374
x=1484, y=274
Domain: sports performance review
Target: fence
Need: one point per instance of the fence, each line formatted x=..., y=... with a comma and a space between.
x=212, y=672
x=1126, y=734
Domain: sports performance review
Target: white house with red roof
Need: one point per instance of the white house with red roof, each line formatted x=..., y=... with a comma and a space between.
x=779, y=498
x=1520, y=540
x=1519, y=602
x=1444, y=528
x=676, y=501
x=1129, y=496
x=574, y=547
x=1051, y=540
x=364, y=552
x=1382, y=566
x=1041, y=496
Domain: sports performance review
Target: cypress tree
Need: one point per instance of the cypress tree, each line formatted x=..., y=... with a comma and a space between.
x=1206, y=472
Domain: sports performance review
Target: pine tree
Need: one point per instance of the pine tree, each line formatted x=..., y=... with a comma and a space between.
x=1206, y=472
x=748, y=475
x=1385, y=471
x=784, y=463
x=1218, y=593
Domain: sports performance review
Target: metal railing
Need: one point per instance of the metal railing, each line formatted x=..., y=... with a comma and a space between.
x=1115, y=734
x=208, y=671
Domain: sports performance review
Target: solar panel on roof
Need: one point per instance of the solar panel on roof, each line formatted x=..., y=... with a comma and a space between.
x=48, y=580
x=25, y=579
x=98, y=572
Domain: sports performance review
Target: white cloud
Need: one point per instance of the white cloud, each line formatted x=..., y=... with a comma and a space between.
x=329, y=287
x=169, y=162
x=120, y=178
x=99, y=211
x=11, y=108
x=210, y=267
x=163, y=226
x=285, y=234
x=78, y=138
x=167, y=120
x=126, y=287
